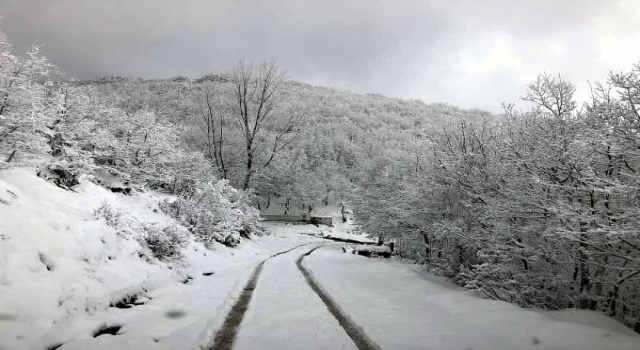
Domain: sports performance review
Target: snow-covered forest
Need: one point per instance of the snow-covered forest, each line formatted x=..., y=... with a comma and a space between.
x=538, y=207
x=534, y=207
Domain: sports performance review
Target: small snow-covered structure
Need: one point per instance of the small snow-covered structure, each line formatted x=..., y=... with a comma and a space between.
x=321, y=220
x=373, y=251
x=347, y=249
x=292, y=219
x=299, y=219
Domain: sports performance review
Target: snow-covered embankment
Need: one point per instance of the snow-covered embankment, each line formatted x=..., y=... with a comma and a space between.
x=68, y=272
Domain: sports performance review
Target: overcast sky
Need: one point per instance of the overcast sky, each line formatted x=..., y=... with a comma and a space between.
x=468, y=53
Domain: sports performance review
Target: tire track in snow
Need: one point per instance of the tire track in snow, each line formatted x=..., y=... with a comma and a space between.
x=226, y=336
x=355, y=332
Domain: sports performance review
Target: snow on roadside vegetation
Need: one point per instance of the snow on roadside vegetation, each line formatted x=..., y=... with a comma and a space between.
x=67, y=258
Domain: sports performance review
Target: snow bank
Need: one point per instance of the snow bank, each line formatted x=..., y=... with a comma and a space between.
x=62, y=271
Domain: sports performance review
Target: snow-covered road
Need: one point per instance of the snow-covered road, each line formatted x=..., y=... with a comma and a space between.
x=285, y=313
x=400, y=307
x=395, y=305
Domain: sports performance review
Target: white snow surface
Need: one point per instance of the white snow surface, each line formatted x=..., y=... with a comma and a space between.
x=400, y=306
x=60, y=269
x=285, y=313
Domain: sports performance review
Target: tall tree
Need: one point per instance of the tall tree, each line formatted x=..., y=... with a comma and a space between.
x=24, y=114
x=213, y=120
x=265, y=130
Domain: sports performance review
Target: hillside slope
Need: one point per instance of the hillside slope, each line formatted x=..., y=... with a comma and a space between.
x=66, y=272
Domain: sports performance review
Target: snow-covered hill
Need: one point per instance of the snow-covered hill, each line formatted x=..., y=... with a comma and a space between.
x=73, y=263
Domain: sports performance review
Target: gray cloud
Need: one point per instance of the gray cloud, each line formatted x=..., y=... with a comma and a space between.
x=470, y=53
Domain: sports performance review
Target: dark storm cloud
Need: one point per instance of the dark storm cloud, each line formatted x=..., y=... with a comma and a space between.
x=472, y=53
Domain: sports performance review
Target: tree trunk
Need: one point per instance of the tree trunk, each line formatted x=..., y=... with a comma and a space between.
x=427, y=246
x=247, y=179
x=286, y=206
x=585, y=279
x=12, y=155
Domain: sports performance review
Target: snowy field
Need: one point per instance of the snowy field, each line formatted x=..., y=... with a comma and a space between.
x=401, y=307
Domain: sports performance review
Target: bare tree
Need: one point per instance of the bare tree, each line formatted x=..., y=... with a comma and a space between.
x=213, y=119
x=256, y=102
x=554, y=96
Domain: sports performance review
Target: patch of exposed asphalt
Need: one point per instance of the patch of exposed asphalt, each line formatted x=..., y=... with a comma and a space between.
x=356, y=333
x=226, y=336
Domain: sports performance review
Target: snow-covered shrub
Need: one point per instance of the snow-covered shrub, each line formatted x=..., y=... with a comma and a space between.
x=62, y=173
x=136, y=144
x=111, y=215
x=165, y=243
x=216, y=212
